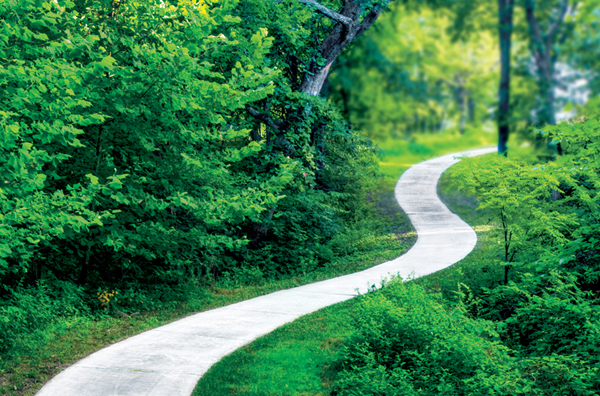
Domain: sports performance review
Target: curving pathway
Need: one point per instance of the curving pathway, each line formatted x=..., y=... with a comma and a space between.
x=169, y=360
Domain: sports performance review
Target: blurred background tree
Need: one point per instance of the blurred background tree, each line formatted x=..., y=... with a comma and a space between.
x=432, y=68
x=411, y=75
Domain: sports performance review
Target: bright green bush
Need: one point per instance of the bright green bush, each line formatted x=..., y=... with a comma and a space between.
x=522, y=195
x=129, y=160
x=408, y=343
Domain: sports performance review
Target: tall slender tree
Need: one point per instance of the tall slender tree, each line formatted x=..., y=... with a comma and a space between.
x=506, y=12
x=543, y=49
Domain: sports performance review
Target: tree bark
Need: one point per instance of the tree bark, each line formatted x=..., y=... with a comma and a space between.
x=461, y=94
x=346, y=30
x=342, y=34
x=541, y=49
x=506, y=12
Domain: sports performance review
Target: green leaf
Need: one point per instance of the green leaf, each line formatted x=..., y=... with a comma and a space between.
x=93, y=179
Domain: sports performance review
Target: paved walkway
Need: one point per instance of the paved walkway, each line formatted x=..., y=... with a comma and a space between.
x=169, y=360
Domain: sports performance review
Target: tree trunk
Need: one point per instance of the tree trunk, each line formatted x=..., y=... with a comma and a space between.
x=342, y=34
x=461, y=98
x=506, y=11
x=541, y=50
x=471, y=109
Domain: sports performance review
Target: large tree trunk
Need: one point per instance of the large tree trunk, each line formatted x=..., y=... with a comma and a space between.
x=351, y=22
x=346, y=30
x=506, y=11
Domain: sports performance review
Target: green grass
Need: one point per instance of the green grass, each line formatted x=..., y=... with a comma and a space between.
x=41, y=355
x=296, y=359
x=292, y=360
x=399, y=155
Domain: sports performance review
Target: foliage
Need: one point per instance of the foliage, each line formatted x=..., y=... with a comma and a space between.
x=407, y=343
x=130, y=161
x=523, y=197
x=408, y=75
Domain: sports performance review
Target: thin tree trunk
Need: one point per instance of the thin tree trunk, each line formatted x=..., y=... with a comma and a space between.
x=541, y=49
x=506, y=12
x=462, y=106
x=85, y=268
x=471, y=109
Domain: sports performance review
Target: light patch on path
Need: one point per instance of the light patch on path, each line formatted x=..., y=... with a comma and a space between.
x=169, y=360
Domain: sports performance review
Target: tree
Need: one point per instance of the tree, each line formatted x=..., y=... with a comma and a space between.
x=506, y=12
x=351, y=22
x=427, y=80
x=543, y=49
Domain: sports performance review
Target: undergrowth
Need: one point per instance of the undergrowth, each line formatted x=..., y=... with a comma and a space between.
x=318, y=337
x=48, y=343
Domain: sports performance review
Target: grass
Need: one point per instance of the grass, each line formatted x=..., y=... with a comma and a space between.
x=43, y=354
x=297, y=359
x=292, y=360
x=399, y=155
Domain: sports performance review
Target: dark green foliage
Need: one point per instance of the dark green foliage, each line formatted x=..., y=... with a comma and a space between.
x=547, y=313
x=539, y=334
x=130, y=161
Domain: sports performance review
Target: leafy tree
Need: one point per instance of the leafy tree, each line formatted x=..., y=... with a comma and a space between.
x=133, y=150
x=523, y=196
x=543, y=47
x=410, y=83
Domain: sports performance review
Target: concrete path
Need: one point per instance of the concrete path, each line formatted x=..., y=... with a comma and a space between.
x=169, y=360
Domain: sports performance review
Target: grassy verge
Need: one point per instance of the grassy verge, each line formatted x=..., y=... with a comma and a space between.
x=399, y=155
x=41, y=355
x=295, y=359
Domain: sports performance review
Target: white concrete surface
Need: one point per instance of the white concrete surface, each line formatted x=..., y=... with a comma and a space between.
x=169, y=360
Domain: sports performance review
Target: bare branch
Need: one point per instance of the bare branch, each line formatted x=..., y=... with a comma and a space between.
x=564, y=11
x=329, y=13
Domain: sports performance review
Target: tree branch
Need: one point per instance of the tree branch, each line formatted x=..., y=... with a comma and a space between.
x=329, y=13
x=368, y=20
x=564, y=10
x=533, y=25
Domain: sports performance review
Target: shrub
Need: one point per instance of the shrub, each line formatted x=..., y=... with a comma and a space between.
x=408, y=343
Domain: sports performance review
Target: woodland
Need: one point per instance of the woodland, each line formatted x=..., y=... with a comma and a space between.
x=158, y=158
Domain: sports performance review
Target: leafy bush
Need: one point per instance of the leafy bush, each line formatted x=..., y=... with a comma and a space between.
x=130, y=160
x=408, y=343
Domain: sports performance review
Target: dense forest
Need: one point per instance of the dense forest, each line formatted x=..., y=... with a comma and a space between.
x=154, y=152
x=146, y=144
